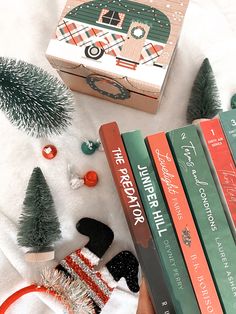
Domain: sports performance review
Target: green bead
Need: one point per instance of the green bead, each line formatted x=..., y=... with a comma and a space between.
x=88, y=149
x=233, y=102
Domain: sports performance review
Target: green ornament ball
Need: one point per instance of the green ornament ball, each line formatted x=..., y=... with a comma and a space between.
x=233, y=102
x=88, y=148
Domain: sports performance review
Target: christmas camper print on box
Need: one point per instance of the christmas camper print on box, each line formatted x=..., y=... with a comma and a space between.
x=119, y=50
x=133, y=33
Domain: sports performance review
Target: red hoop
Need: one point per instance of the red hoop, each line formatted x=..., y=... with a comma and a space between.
x=18, y=294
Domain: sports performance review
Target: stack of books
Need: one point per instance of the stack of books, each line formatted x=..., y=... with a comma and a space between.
x=178, y=192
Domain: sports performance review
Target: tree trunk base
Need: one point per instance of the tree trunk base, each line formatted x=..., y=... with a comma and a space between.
x=39, y=256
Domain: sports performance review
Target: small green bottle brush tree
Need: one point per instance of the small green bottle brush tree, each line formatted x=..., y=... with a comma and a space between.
x=39, y=227
x=204, y=102
x=34, y=100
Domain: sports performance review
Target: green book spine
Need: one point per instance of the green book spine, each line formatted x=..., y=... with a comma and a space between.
x=208, y=212
x=228, y=122
x=161, y=225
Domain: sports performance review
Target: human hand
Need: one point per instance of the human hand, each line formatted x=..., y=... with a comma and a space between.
x=144, y=302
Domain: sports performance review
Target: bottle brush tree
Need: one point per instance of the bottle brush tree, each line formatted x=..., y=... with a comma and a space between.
x=204, y=102
x=34, y=100
x=39, y=227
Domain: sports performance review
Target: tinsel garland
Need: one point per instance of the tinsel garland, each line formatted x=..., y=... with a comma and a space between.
x=71, y=293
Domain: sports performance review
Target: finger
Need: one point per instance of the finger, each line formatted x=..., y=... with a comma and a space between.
x=144, y=303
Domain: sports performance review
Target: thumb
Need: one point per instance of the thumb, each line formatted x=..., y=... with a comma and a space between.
x=144, y=302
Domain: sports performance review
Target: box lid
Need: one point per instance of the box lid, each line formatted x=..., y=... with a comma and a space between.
x=132, y=42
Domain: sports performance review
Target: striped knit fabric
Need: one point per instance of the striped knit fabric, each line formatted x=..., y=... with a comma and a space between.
x=81, y=265
x=82, y=35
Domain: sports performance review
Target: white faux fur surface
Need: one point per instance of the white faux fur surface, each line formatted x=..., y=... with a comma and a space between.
x=25, y=29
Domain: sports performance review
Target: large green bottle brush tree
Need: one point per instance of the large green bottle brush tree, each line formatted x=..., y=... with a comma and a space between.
x=39, y=226
x=204, y=102
x=34, y=100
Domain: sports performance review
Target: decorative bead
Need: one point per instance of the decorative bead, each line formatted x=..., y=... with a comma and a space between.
x=49, y=151
x=74, y=179
x=76, y=182
x=91, y=178
x=233, y=102
x=100, y=146
x=89, y=147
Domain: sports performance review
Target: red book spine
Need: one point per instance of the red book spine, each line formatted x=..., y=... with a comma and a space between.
x=222, y=161
x=187, y=234
x=135, y=215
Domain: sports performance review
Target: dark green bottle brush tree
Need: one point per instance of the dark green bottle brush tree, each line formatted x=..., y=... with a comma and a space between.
x=39, y=227
x=34, y=100
x=204, y=102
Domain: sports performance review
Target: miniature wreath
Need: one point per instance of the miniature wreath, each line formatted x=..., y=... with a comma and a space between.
x=138, y=32
x=123, y=93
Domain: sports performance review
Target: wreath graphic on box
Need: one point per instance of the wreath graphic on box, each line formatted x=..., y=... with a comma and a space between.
x=138, y=32
x=122, y=92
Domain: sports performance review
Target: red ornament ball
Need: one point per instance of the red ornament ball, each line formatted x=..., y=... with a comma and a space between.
x=91, y=178
x=49, y=151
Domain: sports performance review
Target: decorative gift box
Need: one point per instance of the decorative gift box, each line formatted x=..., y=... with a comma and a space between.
x=118, y=50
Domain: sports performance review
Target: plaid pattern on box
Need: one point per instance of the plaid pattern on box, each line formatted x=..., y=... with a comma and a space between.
x=76, y=33
x=150, y=53
x=81, y=35
x=112, y=43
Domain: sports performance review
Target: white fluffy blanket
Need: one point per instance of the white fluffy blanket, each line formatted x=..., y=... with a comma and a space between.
x=25, y=29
